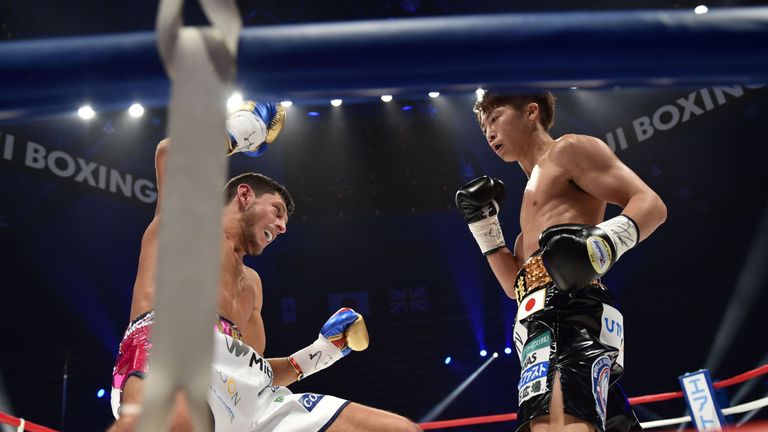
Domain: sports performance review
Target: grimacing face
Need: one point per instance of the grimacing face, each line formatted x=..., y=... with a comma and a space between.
x=262, y=221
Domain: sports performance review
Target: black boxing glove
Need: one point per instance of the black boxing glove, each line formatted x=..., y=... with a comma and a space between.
x=479, y=201
x=574, y=258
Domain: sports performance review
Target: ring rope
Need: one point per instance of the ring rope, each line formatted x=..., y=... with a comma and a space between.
x=738, y=409
x=22, y=425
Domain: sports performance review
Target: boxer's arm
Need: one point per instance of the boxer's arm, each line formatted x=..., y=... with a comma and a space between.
x=284, y=373
x=253, y=333
x=594, y=168
x=160, y=155
x=505, y=266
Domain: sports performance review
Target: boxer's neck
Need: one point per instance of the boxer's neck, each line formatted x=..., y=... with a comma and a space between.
x=538, y=146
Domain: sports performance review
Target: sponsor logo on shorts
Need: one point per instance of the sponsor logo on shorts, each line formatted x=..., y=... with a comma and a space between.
x=533, y=373
x=236, y=347
x=601, y=374
x=521, y=337
x=310, y=400
x=612, y=331
x=599, y=254
x=532, y=303
x=223, y=403
x=534, y=362
x=279, y=399
x=231, y=385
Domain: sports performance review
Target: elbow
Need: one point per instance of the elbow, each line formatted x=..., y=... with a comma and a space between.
x=661, y=209
x=162, y=146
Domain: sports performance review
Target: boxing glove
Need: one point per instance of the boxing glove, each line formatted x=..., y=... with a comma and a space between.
x=343, y=333
x=480, y=201
x=575, y=257
x=253, y=126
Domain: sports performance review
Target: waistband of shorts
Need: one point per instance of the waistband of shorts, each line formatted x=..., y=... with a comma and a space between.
x=223, y=325
x=228, y=328
x=143, y=320
x=533, y=276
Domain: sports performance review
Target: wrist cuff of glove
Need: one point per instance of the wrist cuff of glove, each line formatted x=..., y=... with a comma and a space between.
x=623, y=233
x=315, y=357
x=488, y=234
x=246, y=131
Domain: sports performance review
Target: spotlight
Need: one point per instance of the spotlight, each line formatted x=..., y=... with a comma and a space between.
x=86, y=112
x=700, y=10
x=136, y=110
x=433, y=94
x=286, y=103
x=336, y=102
x=507, y=350
x=447, y=360
x=313, y=114
x=234, y=102
x=406, y=108
x=574, y=88
x=386, y=98
x=495, y=355
x=479, y=93
x=100, y=393
x=483, y=353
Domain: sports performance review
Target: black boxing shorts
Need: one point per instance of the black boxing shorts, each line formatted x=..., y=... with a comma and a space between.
x=581, y=336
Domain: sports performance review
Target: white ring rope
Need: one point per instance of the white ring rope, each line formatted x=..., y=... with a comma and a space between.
x=749, y=406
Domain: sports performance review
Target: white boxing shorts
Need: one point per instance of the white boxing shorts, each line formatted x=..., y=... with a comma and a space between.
x=242, y=398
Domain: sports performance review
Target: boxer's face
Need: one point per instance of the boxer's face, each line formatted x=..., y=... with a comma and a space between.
x=506, y=131
x=264, y=218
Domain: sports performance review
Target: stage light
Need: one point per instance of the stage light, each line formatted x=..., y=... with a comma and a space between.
x=495, y=355
x=447, y=360
x=234, y=102
x=443, y=404
x=483, y=353
x=406, y=108
x=313, y=114
x=286, y=103
x=86, y=112
x=700, y=10
x=336, y=102
x=386, y=98
x=136, y=110
x=100, y=393
x=433, y=94
x=479, y=93
x=507, y=350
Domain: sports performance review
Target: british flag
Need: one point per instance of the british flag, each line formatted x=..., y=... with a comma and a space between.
x=408, y=300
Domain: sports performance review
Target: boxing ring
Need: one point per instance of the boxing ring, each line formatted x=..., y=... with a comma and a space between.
x=595, y=50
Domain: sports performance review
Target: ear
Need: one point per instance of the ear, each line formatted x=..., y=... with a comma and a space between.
x=532, y=111
x=244, y=194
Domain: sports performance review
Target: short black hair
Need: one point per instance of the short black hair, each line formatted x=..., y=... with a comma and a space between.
x=261, y=185
x=545, y=100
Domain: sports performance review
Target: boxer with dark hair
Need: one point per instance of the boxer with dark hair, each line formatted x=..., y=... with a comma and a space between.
x=246, y=392
x=568, y=331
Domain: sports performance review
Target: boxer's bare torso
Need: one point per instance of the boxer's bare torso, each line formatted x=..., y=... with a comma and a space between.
x=551, y=197
x=240, y=296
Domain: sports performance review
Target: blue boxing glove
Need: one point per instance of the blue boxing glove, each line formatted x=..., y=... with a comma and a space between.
x=575, y=256
x=343, y=333
x=253, y=126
